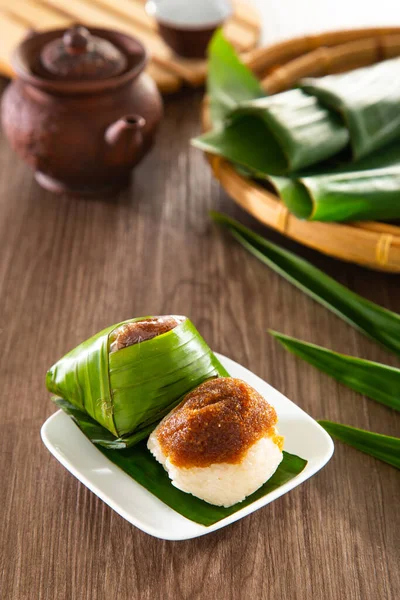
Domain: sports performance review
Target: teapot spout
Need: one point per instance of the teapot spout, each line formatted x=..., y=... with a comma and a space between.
x=124, y=138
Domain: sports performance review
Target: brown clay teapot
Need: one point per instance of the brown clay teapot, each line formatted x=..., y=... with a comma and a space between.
x=81, y=111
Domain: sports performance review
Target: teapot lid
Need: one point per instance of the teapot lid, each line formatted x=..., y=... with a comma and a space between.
x=78, y=55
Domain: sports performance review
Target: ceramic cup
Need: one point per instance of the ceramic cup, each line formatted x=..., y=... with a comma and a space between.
x=188, y=25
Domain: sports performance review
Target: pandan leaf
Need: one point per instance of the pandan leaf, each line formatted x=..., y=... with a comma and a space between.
x=376, y=322
x=377, y=381
x=383, y=447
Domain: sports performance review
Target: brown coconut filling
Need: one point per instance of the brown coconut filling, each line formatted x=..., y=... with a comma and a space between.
x=141, y=331
x=217, y=422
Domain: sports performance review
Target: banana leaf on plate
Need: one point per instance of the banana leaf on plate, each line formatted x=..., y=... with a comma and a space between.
x=139, y=464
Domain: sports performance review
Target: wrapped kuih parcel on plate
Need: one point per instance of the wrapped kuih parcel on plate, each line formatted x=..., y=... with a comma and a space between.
x=156, y=378
x=126, y=385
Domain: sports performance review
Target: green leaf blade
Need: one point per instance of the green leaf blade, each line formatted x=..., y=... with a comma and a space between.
x=305, y=132
x=382, y=447
x=377, y=381
x=98, y=434
x=132, y=456
x=276, y=135
x=248, y=143
x=229, y=80
x=143, y=468
x=286, y=133
x=291, y=130
x=367, y=189
x=355, y=195
x=294, y=195
x=368, y=98
x=376, y=322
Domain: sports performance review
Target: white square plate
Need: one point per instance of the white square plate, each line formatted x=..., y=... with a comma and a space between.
x=303, y=436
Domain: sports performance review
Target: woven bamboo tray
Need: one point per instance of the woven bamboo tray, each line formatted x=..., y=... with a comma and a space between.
x=370, y=244
x=169, y=71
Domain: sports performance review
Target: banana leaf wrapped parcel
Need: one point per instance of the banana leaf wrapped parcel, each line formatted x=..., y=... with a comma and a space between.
x=129, y=376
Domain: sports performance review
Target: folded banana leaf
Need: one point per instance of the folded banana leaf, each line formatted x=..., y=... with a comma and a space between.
x=128, y=390
x=293, y=125
x=243, y=141
x=98, y=434
x=366, y=190
x=229, y=81
x=368, y=99
x=139, y=464
x=305, y=131
x=383, y=447
x=378, y=323
x=377, y=381
x=272, y=137
x=279, y=134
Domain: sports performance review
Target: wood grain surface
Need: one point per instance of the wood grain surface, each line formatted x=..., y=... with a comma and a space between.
x=70, y=267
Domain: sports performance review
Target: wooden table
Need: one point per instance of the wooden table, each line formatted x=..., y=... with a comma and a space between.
x=70, y=267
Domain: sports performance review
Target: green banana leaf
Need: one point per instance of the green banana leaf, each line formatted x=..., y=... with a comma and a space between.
x=365, y=195
x=143, y=468
x=376, y=322
x=100, y=435
x=243, y=141
x=229, y=81
x=360, y=191
x=366, y=190
x=377, y=381
x=368, y=99
x=307, y=132
x=287, y=133
x=383, y=447
x=128, y=390
x=294, y=195
x=292, y=125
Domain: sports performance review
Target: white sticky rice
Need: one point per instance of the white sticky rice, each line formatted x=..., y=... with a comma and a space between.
x=223, y=484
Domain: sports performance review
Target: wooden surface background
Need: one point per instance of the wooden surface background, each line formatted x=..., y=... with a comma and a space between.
x=68, y=268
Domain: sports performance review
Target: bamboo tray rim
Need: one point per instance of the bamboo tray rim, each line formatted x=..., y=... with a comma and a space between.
x=368, y=243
